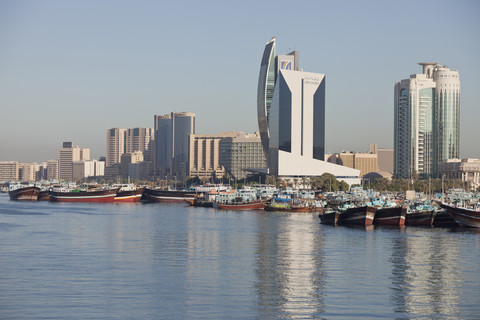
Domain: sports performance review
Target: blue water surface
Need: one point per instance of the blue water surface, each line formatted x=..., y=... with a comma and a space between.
x=169, y=261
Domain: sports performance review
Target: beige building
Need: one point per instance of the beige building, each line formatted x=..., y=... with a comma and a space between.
x=66, y=156
x=204, y=155
x=385, y=157
x=9, y=171
x=114, y=145
x=365, y=162
x=464, y=169
x=28, y=172
x=242, y=153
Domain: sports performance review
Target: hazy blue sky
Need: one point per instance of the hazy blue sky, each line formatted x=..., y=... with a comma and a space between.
x=71, y=69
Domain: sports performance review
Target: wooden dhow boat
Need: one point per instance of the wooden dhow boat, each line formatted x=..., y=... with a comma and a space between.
x=98, y=195
x=465, y=217
x=21, y=192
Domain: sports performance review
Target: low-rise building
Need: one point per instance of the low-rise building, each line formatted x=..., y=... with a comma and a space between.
x=468, y=170
x=88, y=168
x=205, y=155
x=242, y=154
x=9, y=170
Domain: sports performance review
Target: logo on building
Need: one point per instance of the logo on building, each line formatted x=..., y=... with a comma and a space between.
x=286, y=65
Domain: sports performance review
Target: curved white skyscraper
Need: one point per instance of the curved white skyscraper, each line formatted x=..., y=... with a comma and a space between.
x=266, y=85
x=291, y=118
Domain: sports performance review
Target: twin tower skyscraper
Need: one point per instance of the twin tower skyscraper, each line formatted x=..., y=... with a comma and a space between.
x=291, y=117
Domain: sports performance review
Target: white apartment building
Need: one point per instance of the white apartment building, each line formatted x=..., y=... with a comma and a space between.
x=427, y=121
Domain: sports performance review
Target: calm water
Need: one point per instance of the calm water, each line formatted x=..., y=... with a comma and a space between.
x=168, y=261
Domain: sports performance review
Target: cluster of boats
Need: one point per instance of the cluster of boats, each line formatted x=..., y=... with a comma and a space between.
x=66, y=193
x=400, y=212
x=357, y=207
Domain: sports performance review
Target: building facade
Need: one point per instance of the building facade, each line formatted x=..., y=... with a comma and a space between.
x=88, y=168
x=241, y=154
x=365, y=162
x=171, y=143
x=129, y=158
x=468, y=170
x=28, y=172
x=9, y=170
x=270, y=67
x=140, y=139
x=66, y=156
x=205, y=155
x=52, y=170
x=427, y=121
x=115, y=145
x=292, y=119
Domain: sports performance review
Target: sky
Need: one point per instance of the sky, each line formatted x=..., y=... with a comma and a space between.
x=71, y=69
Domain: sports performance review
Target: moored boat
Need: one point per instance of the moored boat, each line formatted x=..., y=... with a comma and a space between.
x=329, y=217
x=419, y=213
x=242, y=205
x=83, y=195
x=392, y=216
x=420, y=218
x=242, y=199
x=21, y=192
x=465, y=217
x=357, y=215
x=43, y=195
x=128, y=193
x=290, y=206
x=161, y=195
x=443, y=219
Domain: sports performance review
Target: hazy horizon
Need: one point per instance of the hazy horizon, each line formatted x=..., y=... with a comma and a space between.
x=71, y=70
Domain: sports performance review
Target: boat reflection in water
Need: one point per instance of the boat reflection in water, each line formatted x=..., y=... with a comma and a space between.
x=425, y=273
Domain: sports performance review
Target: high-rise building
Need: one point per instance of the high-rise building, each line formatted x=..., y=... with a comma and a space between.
x=138, y=139
x=427, y=121
x=269, y=70
x=52, y=170
x=242, y=153
x=120, y=141
x=115, y=145
x=163, y=144
x=171, y=143
x=66, y=157
x=292, y=119
x=183, y=126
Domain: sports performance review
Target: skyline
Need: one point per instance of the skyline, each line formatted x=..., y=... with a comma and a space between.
x=69, y=71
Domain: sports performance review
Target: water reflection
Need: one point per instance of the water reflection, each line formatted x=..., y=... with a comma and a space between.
x=426, y=272
x=289, y=267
